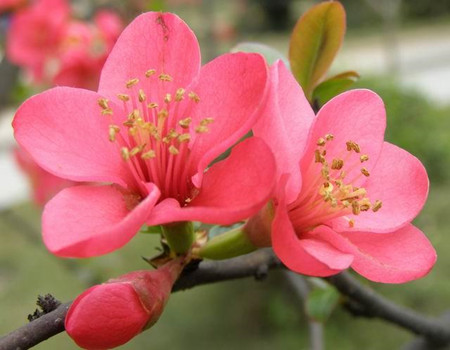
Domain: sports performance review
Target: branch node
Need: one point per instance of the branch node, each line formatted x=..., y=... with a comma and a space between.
x=46, y=303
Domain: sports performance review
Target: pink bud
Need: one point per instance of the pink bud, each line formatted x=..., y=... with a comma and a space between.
x=110, y=314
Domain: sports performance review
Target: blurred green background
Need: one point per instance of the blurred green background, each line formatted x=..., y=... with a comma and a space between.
x=268, y=314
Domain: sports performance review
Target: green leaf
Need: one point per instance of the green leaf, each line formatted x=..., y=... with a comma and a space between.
x=321, y=302
x=269, y=53
x=315, y=41
x=333, y=86
x=151, y=229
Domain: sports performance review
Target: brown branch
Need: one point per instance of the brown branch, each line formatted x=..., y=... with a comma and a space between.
x=256, y=264
x=372, y=304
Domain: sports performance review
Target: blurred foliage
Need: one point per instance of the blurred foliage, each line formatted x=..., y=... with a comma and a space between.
x=415, y=124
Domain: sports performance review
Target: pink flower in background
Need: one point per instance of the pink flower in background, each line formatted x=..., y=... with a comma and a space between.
x=43, y=184
x=345, y=197
x=84, y=48
x=34, y=35
x=110, y=314
x=149, y=134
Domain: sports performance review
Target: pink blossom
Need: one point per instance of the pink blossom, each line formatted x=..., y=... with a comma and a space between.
x=345, y=198
x=110, y=314
x=34, y=34
x=84, y=48
x=44, y=185
x=150, y=135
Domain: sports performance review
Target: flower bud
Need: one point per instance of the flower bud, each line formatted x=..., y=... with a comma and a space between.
x=110, y=314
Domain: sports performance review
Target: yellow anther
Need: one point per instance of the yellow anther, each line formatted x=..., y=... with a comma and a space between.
x=353, y=146
x=167, y=98
x=345, y=204
x=179, y=95
x=107, y=111
x=150, y=72
x=201, y=129
x=141, y=95
x=148, y=155
x=337, y=164
x=123, y=97
x=136, y=150
x=318, y=158
x=103, y=102
x=172, y=134
x=113, y=130
x=134, y=115
x=163, y=113
x=173, y=150
x=338, y=183
x=133, y=131
x=130, y=83
x=125, y=153
x=184, y=137
x=325, y=172
x=355, y=208
x=184, y=123
x=364, y=158
x=206, y=121
x=165, y=77
x=365, y=172
x=194, y=97
x=152, y=105
x=321, y=142
x=329, y=137
x=377, y=206
x=351, y=223
x=128, y=123
x=342, y=174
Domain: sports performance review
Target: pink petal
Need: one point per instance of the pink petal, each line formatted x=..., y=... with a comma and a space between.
x=232, y=190
x=400, y=181
x=154, y=40
x=395, y=257
x=231, y=89
x=86, y=221
x=358, y=116
x=106, y=316
x=284, y=125
x=311, y=256
x=65, y=133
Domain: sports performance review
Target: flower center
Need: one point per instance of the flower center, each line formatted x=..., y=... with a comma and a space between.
x=155, y=135
x=327, y=191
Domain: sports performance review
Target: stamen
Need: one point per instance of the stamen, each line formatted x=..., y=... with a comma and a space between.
x=377, y=206
x=179, y=95
x=107, y=111
x=184, y=137
x=152, y=105
x=173, y=150
x=113, y=130
x=355, y=208
x=123, y=97
x=365, y=172
x=165, y=77
x=125, y=153
x=150, y=72
x=337, y=164
x=201, y=129
x=103, y=102
x=321, y=142
x=206, y=121
x=194, y=97
x=364, y=158
x=130, y=83
x=329, y=137
x=141, y=95
x=351, y=223
x=184, y=123
x=167, y=98
x=353, y=146
x=148, y=155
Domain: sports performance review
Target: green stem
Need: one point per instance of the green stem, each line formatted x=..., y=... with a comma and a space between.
x=227, y=245
x=179, y=236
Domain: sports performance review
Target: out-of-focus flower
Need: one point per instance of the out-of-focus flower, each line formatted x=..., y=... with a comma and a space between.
x=345, y=197
x=84, y=48
x=43, y=184
x=108, y=315
x=152, y=131
x=35, y=34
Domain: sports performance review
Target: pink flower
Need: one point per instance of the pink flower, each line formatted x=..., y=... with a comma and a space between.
x=44, y=185
x=34, y=34
x=110, y=314
x=150, y=135
x=84, y=48
x=345, y=197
